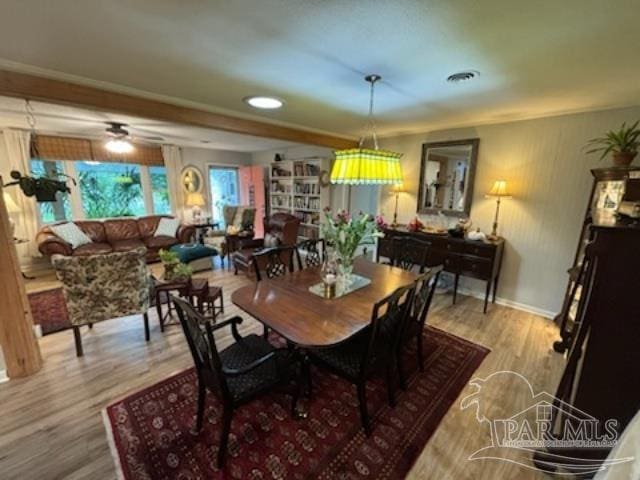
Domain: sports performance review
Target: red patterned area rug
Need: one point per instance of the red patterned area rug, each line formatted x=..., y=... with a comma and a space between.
x=151, y=432
x=49, y=310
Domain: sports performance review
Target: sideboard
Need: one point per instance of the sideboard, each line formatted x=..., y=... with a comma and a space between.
x=461, y=257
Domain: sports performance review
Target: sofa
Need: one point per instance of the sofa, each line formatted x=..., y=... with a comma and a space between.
x=281, y=229
x=115, y=235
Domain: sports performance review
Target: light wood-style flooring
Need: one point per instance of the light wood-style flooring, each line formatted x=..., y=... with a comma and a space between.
x=51, y=425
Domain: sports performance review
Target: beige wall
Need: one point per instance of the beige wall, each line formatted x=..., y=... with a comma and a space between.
x=202, y=158
x=547, y=170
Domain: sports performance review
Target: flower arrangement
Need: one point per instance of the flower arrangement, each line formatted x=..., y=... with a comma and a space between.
x=345, y=233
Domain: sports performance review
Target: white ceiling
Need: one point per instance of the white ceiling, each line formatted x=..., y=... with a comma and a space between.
x=535, y=58
x=63, y=120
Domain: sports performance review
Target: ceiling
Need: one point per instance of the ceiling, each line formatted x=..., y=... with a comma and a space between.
x=549, y=57
x=63, y=120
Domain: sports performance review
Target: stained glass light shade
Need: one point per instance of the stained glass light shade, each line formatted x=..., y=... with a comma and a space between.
x=364, y=166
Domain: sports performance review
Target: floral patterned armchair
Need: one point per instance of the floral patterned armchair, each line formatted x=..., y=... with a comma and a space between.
x=102, y=287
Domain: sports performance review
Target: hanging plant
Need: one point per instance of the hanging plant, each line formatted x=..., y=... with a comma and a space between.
x=43, y=188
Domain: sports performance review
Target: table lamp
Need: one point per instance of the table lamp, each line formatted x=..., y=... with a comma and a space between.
x=12, y=207
x=396, y=190
x=195, y=200
x=498, y=191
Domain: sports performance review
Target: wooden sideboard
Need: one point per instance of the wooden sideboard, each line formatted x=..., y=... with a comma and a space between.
x=461, y=257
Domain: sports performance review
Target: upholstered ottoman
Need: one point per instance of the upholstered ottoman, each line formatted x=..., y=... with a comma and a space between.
x=199, y=257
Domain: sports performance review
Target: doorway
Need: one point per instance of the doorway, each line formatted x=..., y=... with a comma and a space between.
x=223, y=185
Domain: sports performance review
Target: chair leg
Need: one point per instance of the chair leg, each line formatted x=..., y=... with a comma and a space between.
x=265, y=333
x=91, y=326
x=78, y=340
x=147, y=334
x=159, y=310
x=364, y=413
x=202, y=395
x=390, y=383
x=221, y=303
x=224, y=436
x=420, y=354
x=402, y=380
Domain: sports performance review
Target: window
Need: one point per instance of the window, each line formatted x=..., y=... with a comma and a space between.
x=60, y=209
x=110, y=189
x=159, y=190
x=224, y=188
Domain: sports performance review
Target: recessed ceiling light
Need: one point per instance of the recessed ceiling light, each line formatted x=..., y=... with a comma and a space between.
x=267, y=103
x=463, y=76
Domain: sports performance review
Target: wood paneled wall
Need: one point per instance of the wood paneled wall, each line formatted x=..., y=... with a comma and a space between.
x=548, y=172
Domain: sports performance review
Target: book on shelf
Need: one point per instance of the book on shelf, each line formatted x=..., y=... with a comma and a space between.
x=306, y=203
x=307, y=188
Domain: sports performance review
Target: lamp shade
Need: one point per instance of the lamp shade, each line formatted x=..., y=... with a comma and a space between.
x=12, y=207
x=364, y=166
x=499, y=189
x=195, y=199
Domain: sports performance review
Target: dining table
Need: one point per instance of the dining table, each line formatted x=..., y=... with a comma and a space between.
x=308, y=320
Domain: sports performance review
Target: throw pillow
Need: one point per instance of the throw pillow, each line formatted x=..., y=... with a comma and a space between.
x=71, y=233
x=167, y=227
x=271, y=240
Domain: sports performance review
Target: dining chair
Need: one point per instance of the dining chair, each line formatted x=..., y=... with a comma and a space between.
x=315, y=249
x=371, y=350
x=409, y=252
x=275, y=261
x=425, y=287
x=246, y=369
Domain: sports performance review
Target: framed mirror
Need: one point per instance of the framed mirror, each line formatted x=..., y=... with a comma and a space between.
x=192, y=181
x=446, y=177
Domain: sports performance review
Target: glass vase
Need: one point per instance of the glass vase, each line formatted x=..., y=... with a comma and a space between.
x=346, y=269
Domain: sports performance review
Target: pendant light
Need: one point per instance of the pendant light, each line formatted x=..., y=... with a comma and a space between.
x=367, y=166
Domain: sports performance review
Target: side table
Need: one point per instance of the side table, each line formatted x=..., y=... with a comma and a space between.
x=195, y=290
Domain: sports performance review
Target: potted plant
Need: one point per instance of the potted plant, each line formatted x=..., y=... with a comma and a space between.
x=174, y=269
x=623, y=144
x=44, y=188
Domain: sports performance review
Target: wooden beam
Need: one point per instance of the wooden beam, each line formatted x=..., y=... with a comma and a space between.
x=22, y=85
x=19, y=346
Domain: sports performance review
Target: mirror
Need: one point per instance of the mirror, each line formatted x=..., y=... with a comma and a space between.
x=191, y=180
x=446, y=177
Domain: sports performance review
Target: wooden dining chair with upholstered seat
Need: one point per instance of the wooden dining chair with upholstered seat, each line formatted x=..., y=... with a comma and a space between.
x=409, y=252
x=315, y=252
x=246, y=369
x=371, y=350
x=425, y=287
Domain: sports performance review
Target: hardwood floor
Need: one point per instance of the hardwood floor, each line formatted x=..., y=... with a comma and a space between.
x=51, y=425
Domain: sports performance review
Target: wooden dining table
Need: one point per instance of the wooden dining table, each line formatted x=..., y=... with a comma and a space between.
x=286, y=305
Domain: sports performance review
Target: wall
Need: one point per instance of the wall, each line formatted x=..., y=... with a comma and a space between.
x=202, y=158
x=544, y=162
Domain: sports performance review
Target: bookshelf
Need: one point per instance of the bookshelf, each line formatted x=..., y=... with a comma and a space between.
x=294, y=187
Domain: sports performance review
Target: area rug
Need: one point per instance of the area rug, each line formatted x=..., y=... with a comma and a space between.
x=151, y=431
x=49, y=310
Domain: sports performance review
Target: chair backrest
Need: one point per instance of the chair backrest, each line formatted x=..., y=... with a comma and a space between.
x=425, y=288
x=275, y=261
x=388, y=321
x=203, y=347
x=284, y=226
x=102, y=287
x=316, y=252
x=408, y=252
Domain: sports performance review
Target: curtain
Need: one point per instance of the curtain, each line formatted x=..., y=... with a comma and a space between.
x=174, y=165
x=18, y=158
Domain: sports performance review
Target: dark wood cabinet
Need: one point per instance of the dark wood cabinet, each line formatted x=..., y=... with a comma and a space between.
x=460, y=257
x=602, y=375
